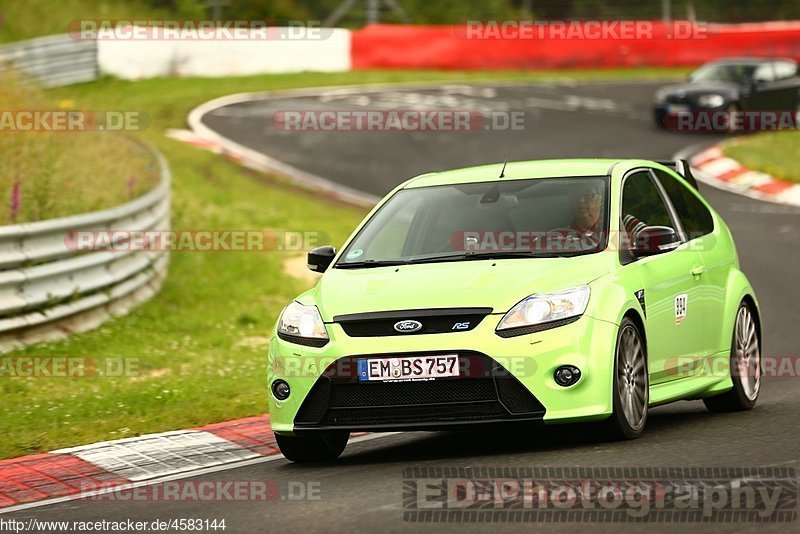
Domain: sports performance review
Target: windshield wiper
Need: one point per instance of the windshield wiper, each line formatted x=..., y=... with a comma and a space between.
x=504, y=254
x=461, y=256
x=366, y=264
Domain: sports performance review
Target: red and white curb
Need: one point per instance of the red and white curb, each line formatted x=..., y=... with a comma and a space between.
x=726, y=173
x=82, y=470
x=88, y=471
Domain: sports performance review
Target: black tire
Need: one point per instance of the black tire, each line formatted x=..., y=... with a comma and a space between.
x=731, y=125
x=745, y=366
x=631, y=385
x=318, y=448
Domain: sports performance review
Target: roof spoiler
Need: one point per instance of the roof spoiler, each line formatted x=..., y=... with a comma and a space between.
x=682, y=167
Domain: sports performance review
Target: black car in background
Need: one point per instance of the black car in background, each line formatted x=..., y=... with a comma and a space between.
x=735, y=84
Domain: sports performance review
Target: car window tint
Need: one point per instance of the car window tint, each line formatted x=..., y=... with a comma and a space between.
x=642, y=205
x=694, y=216
x=785, y=70
x=417, y=223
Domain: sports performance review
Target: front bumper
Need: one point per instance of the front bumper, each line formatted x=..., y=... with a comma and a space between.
x=511, y=379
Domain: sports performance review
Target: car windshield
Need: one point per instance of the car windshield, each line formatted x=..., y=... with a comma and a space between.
x=502, y=219
x=729, y=73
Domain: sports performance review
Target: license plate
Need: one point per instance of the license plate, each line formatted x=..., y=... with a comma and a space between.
x=408, y=368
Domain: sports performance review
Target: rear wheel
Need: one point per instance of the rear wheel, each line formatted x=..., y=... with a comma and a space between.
x=745, y=366
x=631, y=385
x=317, y=448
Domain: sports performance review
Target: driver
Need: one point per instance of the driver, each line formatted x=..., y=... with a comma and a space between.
x=586, y=201
x=584, y=231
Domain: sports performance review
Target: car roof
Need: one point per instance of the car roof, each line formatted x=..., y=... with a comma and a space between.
x=524, y=170
x=747, y=60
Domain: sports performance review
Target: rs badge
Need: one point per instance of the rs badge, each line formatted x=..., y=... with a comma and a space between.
x=680, y=308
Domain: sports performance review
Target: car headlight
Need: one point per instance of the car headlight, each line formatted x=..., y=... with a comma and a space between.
x=711, y=101
x=302, y=321
x=546, y=308
x=660, y=96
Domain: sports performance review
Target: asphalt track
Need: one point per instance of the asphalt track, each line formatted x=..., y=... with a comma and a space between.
x=363, y=491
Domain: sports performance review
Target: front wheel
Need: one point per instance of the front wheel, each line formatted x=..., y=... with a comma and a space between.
x=317, y=448
x=731, y=124
x=631, y=384
x=745, y=366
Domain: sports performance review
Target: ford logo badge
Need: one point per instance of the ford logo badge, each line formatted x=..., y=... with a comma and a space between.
x=407, y=327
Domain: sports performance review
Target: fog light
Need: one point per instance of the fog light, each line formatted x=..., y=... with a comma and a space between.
x=280, y=389
x=566, y=375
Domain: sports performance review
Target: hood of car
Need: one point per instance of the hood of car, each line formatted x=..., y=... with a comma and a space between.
x=496, y=284
x=691, y=91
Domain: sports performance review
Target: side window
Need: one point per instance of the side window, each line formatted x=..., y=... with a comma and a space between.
x=764, y=73
x=694, y=216
x=785, y=70
x=642, y=205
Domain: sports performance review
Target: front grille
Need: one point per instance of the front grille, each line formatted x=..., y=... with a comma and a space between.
x=484, y=391
x=356, y=394
x=433, y=321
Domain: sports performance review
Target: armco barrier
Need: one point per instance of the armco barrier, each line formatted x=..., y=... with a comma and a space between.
x=48, y=289
x=452, y=47
x=139, y=59
x=62, y=59
x=54, y=60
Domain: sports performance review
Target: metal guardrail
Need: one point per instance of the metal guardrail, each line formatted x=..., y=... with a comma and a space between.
x=54, y=60
x=48, y=289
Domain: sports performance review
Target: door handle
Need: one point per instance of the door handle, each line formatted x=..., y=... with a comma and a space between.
x=698, y=270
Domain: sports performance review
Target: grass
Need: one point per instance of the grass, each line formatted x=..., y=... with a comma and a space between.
x=54, y=174
x=34, y=18
x=200, y=344
x=773, y=153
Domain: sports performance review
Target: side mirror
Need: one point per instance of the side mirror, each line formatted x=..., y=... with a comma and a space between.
x=320, y=258
x=652, y=240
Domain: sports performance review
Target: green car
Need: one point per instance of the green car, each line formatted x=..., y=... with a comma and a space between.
x=557, y=291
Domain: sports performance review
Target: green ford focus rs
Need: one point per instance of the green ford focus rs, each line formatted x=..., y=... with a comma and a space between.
x=556, y=291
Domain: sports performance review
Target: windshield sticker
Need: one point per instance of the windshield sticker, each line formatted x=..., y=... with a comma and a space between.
x=680, y=308
x=355, y=253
